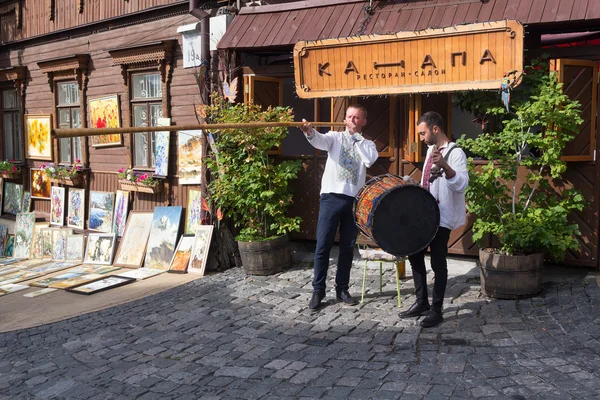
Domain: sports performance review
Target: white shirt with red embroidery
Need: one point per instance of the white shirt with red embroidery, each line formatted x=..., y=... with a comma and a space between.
x=450, y=193
x=348, y=157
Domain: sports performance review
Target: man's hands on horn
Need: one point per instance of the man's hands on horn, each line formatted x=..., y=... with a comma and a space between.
x=307, y=127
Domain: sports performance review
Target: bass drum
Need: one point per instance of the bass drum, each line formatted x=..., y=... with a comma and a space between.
x=399, y=217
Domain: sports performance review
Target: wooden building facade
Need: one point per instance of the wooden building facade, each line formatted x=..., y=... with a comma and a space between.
x=57, y=56
x=263, y=39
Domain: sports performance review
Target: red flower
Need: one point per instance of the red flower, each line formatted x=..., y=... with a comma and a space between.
x=14, y=169
x=101, y=123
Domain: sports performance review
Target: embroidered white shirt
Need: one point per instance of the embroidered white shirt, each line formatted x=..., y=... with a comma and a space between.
x=450, y=193
x=348, y=157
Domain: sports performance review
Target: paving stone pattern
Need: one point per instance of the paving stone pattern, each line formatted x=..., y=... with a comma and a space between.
x=230, y=336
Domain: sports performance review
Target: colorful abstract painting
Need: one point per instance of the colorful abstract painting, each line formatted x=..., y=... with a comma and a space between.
x=76, y=208
x=40, y=184
x=163, y=237
x=57, y=206
x=104, y=113
x=23, y=234
x=194, y=210
x=121, y=209
x=200, y=250
x=37, y=137
x=182, y=255
x=189, y=157
x=13, y=198
x=132, y=247
x=101, y=211
x=161, y=150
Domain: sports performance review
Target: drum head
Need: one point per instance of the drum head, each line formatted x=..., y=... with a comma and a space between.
x=406, y=220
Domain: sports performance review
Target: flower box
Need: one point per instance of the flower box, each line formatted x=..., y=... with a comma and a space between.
x=75, y=180
x=139, y=187
x=11, y=175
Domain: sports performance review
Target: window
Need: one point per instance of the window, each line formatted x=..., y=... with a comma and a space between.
x=11, y=125
x=146, y=108
x=69, y=116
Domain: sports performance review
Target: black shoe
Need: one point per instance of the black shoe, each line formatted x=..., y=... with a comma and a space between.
x=344, y=295
x=315, y=300
x=433, y=318
x=415, y=310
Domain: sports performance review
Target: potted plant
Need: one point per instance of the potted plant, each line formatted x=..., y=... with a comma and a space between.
x=9, y=170
x=70, y=175
x=139, y=181
x=250, y=187
x=510, y=193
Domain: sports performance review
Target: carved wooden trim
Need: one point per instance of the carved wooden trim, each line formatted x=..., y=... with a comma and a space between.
x=74, y=67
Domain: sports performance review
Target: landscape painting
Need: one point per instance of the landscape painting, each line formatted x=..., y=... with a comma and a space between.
x=182, y=255
x=104, y=113
x=189, y=153
x=101, y=211
x=163, y=237
x=40, y=184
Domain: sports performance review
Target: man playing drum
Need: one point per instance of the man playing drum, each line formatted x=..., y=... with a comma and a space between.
x=349, y=155
x=446, y=181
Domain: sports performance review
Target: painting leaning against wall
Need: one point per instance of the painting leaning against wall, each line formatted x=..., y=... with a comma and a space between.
x=38, y=138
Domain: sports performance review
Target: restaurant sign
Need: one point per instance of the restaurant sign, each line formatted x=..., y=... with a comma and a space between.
x=463, y=57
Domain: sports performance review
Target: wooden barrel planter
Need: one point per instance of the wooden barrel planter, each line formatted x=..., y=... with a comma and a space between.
x=266, y=257
x=510, y=277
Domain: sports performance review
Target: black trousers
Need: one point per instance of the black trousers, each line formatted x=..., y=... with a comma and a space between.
x=439, y=265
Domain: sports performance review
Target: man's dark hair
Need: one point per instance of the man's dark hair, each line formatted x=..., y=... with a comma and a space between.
x=431, y=119
x=359, y=107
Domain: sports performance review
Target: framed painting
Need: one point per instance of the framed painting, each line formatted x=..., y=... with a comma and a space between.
x=161, y=148
x=193, y=212
x=199, y=256
x=9, y=247
x=101, y=211
x=120, y=215
x=39, y=184
x=1, y=190
x=132, y=247
x=104, y=112
x=74, y=248
x=24, y=225
x=37, y=244
x=163, y=237
x=141, y=273
x=57, y=206
x=183, y=252
x=3, y=235
x=76, y=208
x=189, y=157
x=26, y=205
x=100, y=284
x=38, y=141
x=100, y=248
x=13, y=198
x=46, y=242
x=59, y=243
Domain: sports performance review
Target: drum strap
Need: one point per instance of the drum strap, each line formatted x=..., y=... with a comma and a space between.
x=448, y=152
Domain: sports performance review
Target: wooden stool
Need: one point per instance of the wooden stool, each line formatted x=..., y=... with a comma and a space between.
x=381, y=256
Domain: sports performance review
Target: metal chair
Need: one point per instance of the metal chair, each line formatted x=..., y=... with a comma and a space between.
x=379, y=255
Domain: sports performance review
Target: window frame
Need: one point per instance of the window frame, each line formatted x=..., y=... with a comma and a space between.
x=16, y=117
x=58, y=107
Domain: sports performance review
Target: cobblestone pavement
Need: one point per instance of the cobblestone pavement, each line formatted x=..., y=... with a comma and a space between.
x=229, y=336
